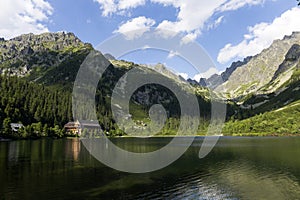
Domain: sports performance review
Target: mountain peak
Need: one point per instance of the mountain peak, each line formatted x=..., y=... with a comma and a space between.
x=59, y=37
x=295, y=34
x=257, y=72
x=29, y=52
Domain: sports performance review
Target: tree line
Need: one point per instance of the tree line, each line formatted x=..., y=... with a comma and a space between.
x=42, y=110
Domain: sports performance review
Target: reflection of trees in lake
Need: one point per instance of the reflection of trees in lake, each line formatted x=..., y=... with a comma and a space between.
x=13, y=152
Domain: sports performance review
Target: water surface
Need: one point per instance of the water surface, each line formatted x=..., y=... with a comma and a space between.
x=237, y=168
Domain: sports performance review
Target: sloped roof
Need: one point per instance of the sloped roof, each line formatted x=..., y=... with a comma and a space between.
x=89, y=123
x=70, y=125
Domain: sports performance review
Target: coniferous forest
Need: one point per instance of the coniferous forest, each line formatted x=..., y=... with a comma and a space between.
x=42, y=110
x=38, y=72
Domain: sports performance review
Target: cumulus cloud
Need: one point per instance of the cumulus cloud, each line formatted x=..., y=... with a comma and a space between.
x=261, y=36
x=192, y=16
x=135, y=27
x=126, y=4
x=190, y=37
x=211, y=71
x=109, y=7
x=23, y=16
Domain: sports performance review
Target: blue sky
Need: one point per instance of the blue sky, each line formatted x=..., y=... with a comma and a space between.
x=228, y=30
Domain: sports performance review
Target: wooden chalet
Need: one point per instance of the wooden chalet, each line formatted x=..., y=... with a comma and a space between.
x=77, y=127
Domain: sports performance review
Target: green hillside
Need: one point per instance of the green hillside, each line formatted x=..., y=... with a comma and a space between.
x=46, y=65
x=38, y=73
x=282, y=121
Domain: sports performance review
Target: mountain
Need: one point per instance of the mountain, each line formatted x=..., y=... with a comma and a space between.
x=267, y=90
x=281, y=121
x=283, y=86
x=264, y=73
x=109, y=56
x=216, y=80
x=47, y=58
x=51, y=61
x=286, y=94
x=291, y=59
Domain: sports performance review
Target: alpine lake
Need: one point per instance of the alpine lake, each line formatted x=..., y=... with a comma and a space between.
x=237, y=168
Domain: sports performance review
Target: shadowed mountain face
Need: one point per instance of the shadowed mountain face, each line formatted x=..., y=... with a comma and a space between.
x=291, y=60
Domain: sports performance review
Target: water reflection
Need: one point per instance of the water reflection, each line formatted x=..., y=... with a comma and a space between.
x=72, y=148
x=13, y=152
x=250, y=181
x=238, y=168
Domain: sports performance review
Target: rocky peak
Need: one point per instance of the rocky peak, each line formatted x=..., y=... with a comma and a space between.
x=193, y=82
x=215, y=80
x=52, y=41
x=226, y=74
x=109, y=56
x=47, y=37
x=45, y=50
x=259, y=70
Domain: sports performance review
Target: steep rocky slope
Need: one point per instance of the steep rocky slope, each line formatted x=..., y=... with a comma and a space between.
x=255, y=75
x=217, y=80
x=48, y=58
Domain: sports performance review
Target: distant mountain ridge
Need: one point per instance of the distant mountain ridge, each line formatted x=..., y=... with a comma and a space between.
x=215, y=80
x=265, y=82
x=39, y=57
x=254, y=75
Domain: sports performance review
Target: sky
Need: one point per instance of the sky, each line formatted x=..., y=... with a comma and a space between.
x=227, y=30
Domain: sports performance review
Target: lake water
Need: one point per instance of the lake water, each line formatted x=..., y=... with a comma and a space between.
x=237, y=168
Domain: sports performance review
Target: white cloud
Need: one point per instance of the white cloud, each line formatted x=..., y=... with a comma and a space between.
x=211, y=71
x=23, y=16
x=109, y=7
x=175, y=3
x=146, y=47
x=126, y=4
x=183, y=75
x=236, y=4
x=261, y=36
x=216, y=23
x=135, y=27
x=173, y=54
x=193, y=15
x=190, y=37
